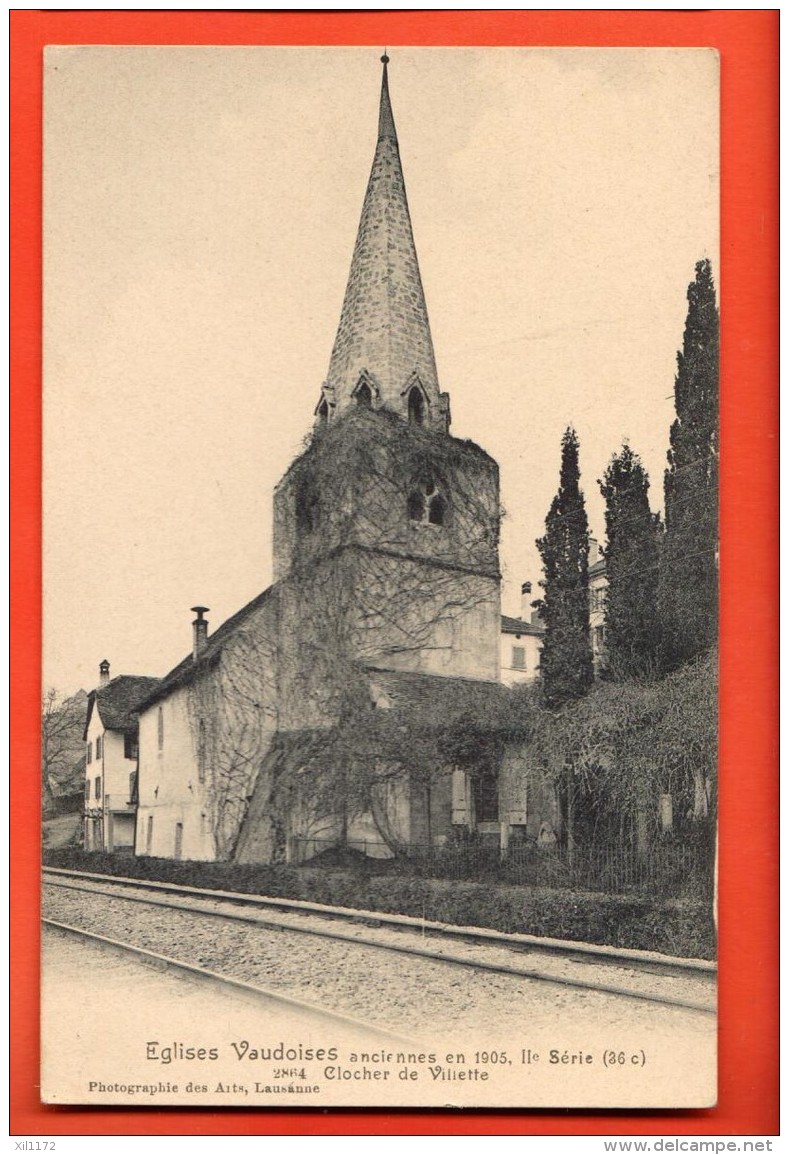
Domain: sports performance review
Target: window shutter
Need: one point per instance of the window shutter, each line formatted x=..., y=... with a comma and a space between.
x=518, y=791
x=459, y=798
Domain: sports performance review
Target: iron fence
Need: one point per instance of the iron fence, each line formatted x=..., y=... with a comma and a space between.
x=670, y=867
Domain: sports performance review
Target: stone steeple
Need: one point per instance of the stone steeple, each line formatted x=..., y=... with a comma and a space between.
x=383, y=352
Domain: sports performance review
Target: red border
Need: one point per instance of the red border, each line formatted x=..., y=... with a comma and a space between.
x=748, y=44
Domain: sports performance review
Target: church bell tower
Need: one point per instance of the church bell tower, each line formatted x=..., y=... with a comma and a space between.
x=386, y=528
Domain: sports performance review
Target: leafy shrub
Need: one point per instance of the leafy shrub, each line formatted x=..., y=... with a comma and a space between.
x=680, y=927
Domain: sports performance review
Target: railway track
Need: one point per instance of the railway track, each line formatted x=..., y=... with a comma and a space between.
x=414, y=937
x=252, y=991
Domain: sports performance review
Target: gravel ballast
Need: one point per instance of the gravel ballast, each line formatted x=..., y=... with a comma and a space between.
x=396, y=990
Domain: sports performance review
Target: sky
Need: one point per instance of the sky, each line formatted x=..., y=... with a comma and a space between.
x=200, y=210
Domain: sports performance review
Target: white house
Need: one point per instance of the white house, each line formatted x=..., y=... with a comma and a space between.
x=598, y=590
x=111, y=743
x=521, y=643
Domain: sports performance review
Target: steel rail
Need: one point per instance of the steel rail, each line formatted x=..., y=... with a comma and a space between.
x=589, y=952
x=153, y=958
x=256, y=919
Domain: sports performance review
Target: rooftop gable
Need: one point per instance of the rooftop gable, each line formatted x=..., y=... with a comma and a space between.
x=117, y=702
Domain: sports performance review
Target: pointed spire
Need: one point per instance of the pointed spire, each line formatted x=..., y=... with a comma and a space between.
x=386, y=124
x=384, y=337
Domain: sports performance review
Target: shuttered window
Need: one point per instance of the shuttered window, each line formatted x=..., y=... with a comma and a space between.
x=459, y=798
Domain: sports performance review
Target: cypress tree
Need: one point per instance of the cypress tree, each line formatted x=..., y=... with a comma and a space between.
x=566, y=660
x=688, y=588
x=631, y=557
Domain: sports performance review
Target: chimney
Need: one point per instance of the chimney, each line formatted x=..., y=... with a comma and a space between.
x=594, y=550
x=104, y=673
x=199, y=631
x=525, y=601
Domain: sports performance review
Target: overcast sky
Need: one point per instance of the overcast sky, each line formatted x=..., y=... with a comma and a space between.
x=201, y=207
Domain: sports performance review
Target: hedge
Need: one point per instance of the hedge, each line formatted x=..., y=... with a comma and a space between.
x=680, y=927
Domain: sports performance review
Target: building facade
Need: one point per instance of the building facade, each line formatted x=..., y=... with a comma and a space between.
x=111, y=739
x=598, y=592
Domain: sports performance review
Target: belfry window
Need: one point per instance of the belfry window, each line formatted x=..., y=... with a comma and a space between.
x=427, y=505
x=364, y=397
x=436, y=510
x=323, y=412
x=416, y=406
x=416, y=506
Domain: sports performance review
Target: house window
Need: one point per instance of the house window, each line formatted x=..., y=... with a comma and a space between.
x=486, y=798
x=427, y=505
x=129, y=745
x=416, y=406
x=160, y=728
x=98, y=747
x=132, y=786
x=97, y=788
x=89, y=755
x=597, y=596
x=519, y=657
x=201, y=750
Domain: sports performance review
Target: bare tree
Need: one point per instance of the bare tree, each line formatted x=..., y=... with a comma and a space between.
x=62, y=723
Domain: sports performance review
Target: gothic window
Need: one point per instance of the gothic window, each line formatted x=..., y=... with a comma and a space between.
x=426, y=504
x=416, y=506
x=416, y=406
x=364, y=397
x=323, y=412
x=436, y=510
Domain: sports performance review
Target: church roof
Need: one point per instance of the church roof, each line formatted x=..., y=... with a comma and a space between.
x=384, y=331
x=432, y=700
x=188, y=669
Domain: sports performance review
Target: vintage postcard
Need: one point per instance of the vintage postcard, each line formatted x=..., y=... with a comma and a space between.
x=380, y=577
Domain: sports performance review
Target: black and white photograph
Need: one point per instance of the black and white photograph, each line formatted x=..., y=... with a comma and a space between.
x=380, y=567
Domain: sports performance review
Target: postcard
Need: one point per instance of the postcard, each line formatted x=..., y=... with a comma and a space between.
x=380, y=577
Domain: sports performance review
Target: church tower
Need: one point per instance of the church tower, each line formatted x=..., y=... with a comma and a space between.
x=386, y=528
